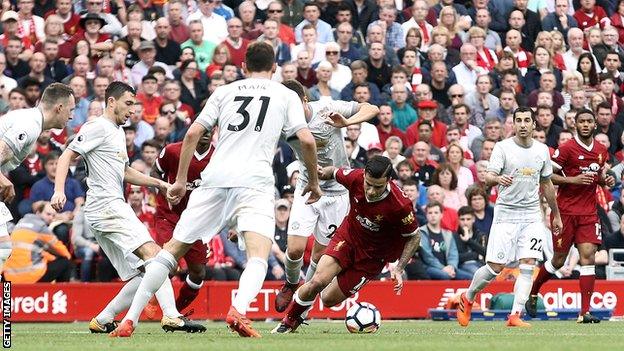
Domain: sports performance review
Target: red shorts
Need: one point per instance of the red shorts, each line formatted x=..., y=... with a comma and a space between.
x=196, y=254
x=357, y=267
x=577, y=229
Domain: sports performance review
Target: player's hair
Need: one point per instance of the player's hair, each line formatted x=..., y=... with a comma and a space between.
x=296, y=87
x=51, y=156
x=116, y=90
x=379, y=167
x=523, y=109
x=586, y=111
x=56, y=93
x=464, y=210
x=259, y=57
x=433, y=204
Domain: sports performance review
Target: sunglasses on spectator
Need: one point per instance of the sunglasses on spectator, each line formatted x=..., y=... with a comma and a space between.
x=169, y=112
x=138, y=191
x=95, y=2
x=457, y=95
x=276, y=11
x=331, y=52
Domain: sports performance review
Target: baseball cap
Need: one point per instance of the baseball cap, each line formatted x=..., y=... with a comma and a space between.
x=375, y=146
x=10, y=15
x=146, y=45
x=282, y=203
x=428, y=104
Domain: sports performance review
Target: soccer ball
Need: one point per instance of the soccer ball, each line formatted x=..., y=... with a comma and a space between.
x=363, y=318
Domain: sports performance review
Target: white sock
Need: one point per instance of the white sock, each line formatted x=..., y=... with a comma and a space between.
x=120, y=302
x=482, y=277
x=522, y=288
x=293, y=269
x=548, y=266
x=311, y=270
x=191, y=284
x=156, y=272
x=250, y=283
x=166, y=299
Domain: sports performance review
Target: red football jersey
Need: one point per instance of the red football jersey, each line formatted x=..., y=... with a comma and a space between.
x=378, y=228
x=574, y=158
x=167, y=163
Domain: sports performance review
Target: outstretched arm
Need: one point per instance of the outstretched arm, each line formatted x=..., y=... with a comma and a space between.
x=135, y=177
x=7, y=192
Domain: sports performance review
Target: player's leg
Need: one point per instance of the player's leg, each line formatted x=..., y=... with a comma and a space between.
x=498, y=252
x=317, y=252
x=328, y=268
x=587, y=253
x=196, y=261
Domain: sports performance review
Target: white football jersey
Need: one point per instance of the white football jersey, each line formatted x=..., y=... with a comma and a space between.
x=19, y=129
x=251, y=115
x=102, y=145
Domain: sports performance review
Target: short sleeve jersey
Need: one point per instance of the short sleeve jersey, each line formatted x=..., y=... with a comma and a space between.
x=381, y=228
x=20, y=129
x=574, y=158
x=329, y=142
x=251, y=114
x=102, y=144
x=519, y=202
x=167, y=164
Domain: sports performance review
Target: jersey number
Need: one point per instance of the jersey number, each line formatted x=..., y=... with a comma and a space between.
x=243, y=111
x=536, y=244
x=332, y=230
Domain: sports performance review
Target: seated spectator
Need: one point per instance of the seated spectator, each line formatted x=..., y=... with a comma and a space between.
x=194, y=91
x=282, y=214
x=310, y=44
x=322, y=90
x=341, y=74
x=455, y=158
x=359, y=72
x=38, y=255
x=449, y=216
x=305, y=73
x=422, y=165
x=393, y=147
x=438, y=248
x=410, y=188
x=616, y=212
x=149, y=98
x=471, y=243
x=446, y=178
x=85, y=245
x=271, y=36
x=484, y=213
x=220, y=266
x=385, y=128
x=403, y=113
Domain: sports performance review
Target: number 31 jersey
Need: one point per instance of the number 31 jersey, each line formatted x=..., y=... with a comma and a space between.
x=251, y=115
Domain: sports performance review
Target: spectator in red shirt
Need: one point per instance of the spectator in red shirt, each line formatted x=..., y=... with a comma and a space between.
x=427, y=111
x=275, y=11
x=236, y=44
x=71, y=20
x=179, y=29
x=99, y=43
x=385, y=129
x=137, y=196
x=450, y=219
x=151, y=101
x=590, y=15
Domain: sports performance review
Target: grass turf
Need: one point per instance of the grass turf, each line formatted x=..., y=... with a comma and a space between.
x=333, y=336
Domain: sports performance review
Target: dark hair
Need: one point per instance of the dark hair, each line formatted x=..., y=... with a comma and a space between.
x=462, y=105
x=433, y=204
x=30, y=81
x=442, y=167
x=411, y=181
x=17, y=90
x=116, y=90
x=184, y=65
x=259, y=57
x=593, y=76
x=56, y=93
x=425, y=122
x=362, y=85
x=312, y=3
x=464, y=210
x=606, y=76
x=151, y=142
x=379, y=167
x=405, y=163
x=603, y=104
x=542, y=107
x=523, y=109
x=585, y=111
x=400, y=69
x=473, y=191
x=51, y=156
x=296, y=87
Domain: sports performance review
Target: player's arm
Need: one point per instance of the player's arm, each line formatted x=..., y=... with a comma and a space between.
x=491, y=179
x=308, y=148
x=327, y=173
x=189, y=144
x=62, y=168
x=548, y=189
x=365, y=112
x=408, y=252
x=135, y=177
x=7, y=192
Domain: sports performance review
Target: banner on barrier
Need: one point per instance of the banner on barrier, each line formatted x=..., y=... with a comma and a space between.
x=81, y=302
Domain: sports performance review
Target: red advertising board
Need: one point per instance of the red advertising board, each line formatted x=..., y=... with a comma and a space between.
x=81, y=302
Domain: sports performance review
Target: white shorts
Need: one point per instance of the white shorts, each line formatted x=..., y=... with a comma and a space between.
x=209, y=210
x=510, y=242
x=119, y=232
x=321, y=218
x=5, y=216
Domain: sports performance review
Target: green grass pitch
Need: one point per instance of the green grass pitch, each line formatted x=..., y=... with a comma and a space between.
x=333, y=336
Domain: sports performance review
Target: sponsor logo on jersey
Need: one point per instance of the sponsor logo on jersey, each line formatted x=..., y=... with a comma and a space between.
x=368, y=224
x=378, y=218
x=21, y=136
x=80, y=138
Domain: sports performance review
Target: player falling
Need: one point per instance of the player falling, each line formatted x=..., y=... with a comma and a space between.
x=520, y=166
x=580, y=164
x=125, y=240
x=167, y=216
x=380, y=228
x=19, y=131
x=238, y=186
x=323, y=217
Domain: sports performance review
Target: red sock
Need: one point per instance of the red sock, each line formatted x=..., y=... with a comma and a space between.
x=186, y=296
x=542, y=277
x=586, y=283
x=296, y=308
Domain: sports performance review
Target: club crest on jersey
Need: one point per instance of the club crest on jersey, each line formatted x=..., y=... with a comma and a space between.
x=368, y=224
x=600, y=158
x=378, y=218
x=339, y=245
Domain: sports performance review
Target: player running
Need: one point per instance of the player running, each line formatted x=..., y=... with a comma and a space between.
x=381, y=227
x=237, y=187
x=19, y=131
x=124, y=239
x=580, y=163
x=323, y=217
x=520, y=166
x=167, y=216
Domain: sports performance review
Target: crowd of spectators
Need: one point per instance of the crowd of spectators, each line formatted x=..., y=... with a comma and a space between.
x=446, y=75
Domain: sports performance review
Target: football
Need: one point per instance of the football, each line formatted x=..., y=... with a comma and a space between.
x=363, y=317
